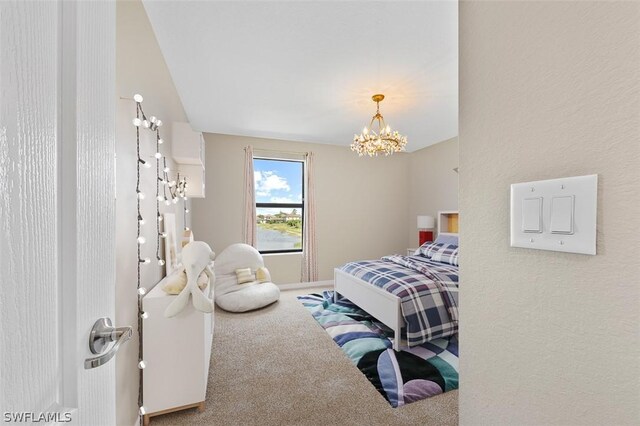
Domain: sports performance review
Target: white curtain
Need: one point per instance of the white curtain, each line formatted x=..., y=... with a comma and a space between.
x=249, y=231
x=309, y=261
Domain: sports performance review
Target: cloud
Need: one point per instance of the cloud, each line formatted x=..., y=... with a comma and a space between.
x=268, y=181
x=286, y=199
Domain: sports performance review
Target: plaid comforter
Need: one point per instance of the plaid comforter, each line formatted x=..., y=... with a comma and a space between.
x=428, y=291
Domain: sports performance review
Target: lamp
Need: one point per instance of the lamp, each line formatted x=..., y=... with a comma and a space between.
x=383, y=141
x=425, y=228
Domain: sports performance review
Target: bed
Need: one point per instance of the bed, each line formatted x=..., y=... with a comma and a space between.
x=416, y=296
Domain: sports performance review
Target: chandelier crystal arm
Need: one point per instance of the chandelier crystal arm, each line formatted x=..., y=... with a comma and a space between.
x=381, y=124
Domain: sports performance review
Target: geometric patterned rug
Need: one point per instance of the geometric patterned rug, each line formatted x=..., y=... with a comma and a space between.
x=401, y=377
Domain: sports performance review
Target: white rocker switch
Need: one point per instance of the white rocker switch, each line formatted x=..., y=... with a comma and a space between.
x=532, y=215
x=562, y=209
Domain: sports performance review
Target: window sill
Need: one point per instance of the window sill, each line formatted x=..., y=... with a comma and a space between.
x=295, y=253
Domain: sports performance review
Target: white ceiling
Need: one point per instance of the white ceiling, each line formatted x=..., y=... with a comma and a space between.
x=305, y=71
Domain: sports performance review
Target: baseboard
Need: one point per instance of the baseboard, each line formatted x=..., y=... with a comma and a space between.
x=298, y=286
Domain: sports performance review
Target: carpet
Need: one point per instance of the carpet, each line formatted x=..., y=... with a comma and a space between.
x=277, y=367
x=401, y=377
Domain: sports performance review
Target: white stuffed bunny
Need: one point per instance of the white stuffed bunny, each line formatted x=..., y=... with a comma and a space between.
x=196, y=258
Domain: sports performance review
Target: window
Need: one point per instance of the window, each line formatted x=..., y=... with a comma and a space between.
x=279, y=204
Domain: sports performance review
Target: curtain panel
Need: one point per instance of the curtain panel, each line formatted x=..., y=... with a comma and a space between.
x=309, y=261
x=249, y=231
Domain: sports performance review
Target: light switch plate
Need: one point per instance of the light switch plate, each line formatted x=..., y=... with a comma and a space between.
x=568, y=214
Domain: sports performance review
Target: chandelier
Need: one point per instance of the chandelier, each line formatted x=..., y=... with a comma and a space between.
x=384, y=141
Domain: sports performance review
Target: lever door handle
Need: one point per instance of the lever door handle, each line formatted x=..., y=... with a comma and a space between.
x=103, y=333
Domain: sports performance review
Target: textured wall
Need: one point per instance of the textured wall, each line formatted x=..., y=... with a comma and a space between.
x=361, y=203
x=433, y=184
x=549, y=89
x=140, y=68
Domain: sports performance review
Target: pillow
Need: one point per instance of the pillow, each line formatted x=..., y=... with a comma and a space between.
x=428, y=249
x=175, y=283
x=447, y=239
x=448, y=253
x=263, y=275
x=244, y=275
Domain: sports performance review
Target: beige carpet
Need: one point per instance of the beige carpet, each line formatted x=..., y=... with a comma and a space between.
x=277, y=366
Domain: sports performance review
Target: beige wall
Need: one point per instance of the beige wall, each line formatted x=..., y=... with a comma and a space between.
x=361, y=203
x=433, y=184
x=549, y=89
x=140, y=68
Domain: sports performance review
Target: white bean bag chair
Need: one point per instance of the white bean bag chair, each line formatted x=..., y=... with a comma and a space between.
x=234, y=297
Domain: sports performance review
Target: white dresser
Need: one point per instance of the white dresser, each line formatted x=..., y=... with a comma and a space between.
x=177, y=352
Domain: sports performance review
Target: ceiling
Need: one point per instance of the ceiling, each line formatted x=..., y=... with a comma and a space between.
x=305, y=71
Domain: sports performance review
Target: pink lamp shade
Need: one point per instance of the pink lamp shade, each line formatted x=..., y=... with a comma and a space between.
x=425, y=227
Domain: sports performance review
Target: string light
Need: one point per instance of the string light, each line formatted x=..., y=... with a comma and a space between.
x=177, y=189
x=159, y=197
x=186, y=210
x=152, y=123
x=140, y=239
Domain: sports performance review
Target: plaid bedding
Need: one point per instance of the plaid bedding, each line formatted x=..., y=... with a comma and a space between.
x=428, y=291
x=448, y=253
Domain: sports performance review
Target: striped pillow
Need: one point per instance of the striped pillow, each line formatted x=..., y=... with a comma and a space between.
x=244, y=275
x=428, y=249
x=448, y=253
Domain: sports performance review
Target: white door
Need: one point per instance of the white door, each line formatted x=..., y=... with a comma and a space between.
x=57, y=253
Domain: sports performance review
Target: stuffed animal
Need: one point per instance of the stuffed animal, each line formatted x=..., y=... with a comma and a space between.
x=196, y=258
x=177, y=281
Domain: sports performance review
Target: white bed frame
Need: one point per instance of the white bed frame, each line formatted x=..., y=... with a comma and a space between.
x=379, y=303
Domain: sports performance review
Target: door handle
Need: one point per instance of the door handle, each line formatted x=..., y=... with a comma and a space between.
x=103, y=333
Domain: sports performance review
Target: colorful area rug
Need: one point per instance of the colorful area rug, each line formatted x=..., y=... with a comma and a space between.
x=401, y=377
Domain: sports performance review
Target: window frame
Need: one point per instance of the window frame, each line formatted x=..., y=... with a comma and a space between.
x=300, y=205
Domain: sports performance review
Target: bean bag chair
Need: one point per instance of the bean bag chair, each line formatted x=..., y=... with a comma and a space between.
x=242, y=260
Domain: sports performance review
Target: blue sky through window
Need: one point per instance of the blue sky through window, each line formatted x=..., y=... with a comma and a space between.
x=277, y=181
